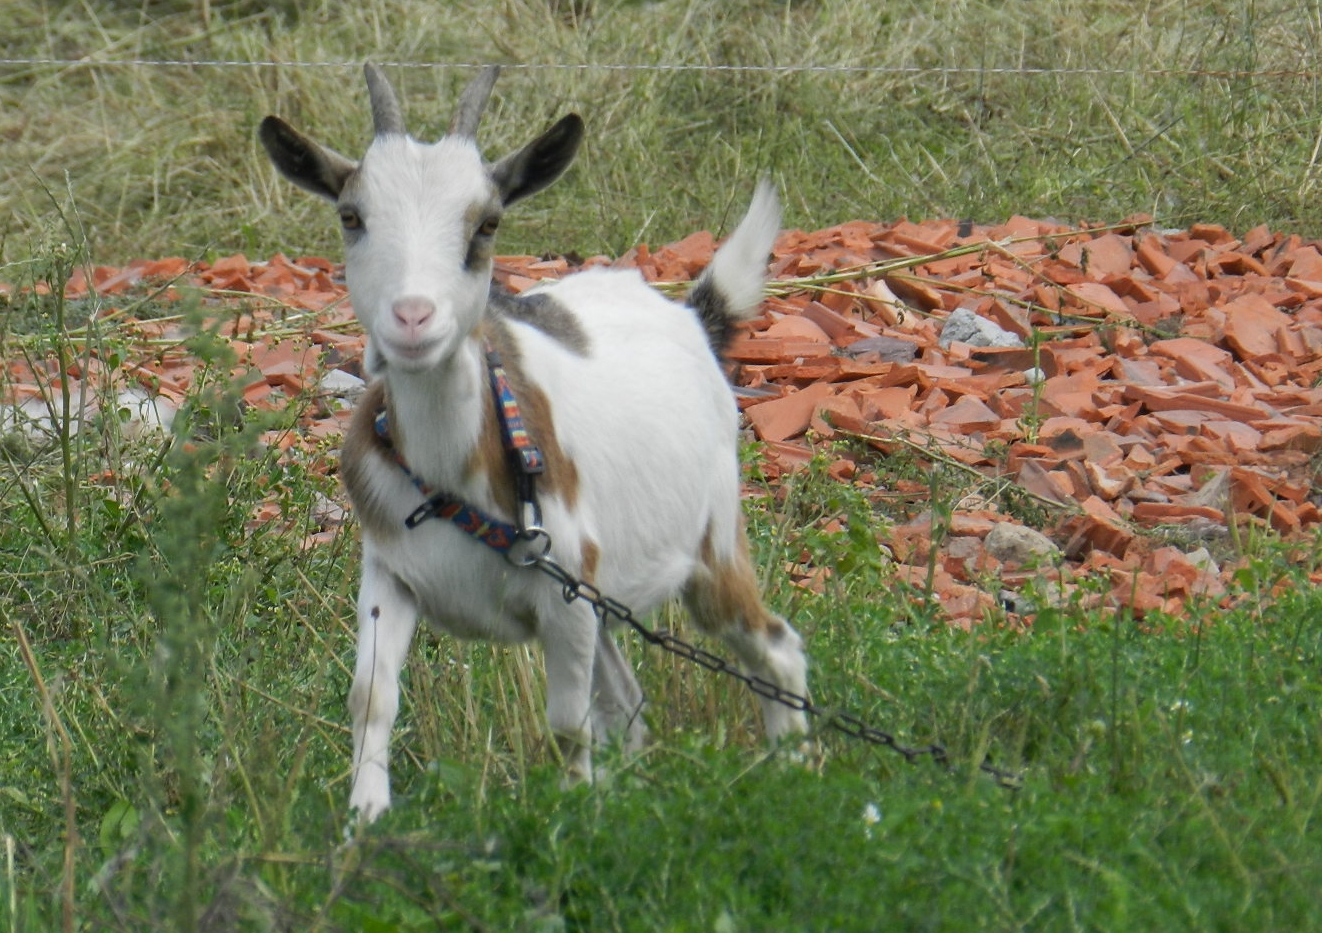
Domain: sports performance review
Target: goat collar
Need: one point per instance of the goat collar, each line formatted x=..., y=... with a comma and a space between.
x=522, y=543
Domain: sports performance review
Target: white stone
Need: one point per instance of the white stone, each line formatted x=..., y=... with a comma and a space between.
x=147, y=413
x=1010, y=542
x=343, y=385
x=963, y=326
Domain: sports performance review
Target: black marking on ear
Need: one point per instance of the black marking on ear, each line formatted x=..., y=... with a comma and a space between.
x=539, y=163
x=311, y=166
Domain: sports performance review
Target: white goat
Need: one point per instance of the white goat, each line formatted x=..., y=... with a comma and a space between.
x=620, y=389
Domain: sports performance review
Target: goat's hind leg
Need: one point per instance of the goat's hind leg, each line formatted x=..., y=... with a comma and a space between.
x=617, y=700
x=724, y=599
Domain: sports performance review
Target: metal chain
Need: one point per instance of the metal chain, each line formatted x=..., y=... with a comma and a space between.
x=605, y=607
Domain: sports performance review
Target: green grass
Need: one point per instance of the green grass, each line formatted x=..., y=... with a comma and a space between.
x=173, y=750
x=1170, y=770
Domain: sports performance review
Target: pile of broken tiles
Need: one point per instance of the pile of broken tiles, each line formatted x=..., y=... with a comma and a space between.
x=1151, y=392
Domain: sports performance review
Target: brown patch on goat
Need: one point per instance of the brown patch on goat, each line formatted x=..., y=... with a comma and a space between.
x=590, y=556
x=489, y=457
x=724, y=593
x=361, y=446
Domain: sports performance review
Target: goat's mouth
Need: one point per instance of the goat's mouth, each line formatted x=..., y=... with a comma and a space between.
x=411, y=354
x=415, y=347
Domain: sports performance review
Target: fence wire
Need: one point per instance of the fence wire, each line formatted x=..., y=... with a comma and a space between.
x=806, y=68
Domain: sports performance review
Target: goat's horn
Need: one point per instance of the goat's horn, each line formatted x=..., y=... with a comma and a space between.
x=386, y=115
x=473, y=101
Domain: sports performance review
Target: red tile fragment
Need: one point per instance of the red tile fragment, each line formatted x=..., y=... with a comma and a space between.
x=1109, y=254
x=1197, y=360
x=1252, y=326
x=1152, y=256
x=788, y=416
x=1096, y=298
x=967, y=415
x=1100, y=528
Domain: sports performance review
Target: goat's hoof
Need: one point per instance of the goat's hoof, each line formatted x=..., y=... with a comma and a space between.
x=807, y=753
x=575, y=777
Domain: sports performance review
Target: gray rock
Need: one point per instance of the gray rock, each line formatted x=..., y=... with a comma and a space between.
x=339, y=384
x=963, y=326
x=890, y=349
x=31, y=419
x=1014, y=543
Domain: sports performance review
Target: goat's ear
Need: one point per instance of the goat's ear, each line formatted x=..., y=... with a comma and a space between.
x=310, y=166
x=540, y=162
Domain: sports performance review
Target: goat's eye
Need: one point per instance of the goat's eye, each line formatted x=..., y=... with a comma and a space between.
x=488, y=227
x=349, y=219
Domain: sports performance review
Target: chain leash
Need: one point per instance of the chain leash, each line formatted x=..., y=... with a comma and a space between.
x=606, y=608
x=528, y=544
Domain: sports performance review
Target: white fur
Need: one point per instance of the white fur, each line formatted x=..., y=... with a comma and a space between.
x=645, y=416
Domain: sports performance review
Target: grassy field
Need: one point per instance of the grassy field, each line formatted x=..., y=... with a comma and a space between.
x=1082, y=109
x=173, y=747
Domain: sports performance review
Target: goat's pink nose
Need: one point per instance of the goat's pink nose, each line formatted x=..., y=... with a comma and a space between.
x=413, y=312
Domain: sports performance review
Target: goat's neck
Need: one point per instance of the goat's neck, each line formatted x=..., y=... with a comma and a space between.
x=437, y=414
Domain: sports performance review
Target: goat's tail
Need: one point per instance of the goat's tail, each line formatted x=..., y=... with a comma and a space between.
x=730, y=289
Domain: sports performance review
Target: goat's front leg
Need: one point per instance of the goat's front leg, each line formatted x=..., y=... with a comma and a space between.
x=569, y=644
x=387, y=616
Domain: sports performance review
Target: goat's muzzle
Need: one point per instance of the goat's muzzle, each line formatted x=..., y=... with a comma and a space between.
x=412, y=314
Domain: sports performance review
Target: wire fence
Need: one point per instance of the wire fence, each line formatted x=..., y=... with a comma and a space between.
x=805, y=68
x=1207, y=133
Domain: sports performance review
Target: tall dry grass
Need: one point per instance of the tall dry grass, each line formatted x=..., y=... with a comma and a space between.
x=1134, y=109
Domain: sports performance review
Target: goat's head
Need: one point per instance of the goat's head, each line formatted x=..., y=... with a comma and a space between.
x=419, y=219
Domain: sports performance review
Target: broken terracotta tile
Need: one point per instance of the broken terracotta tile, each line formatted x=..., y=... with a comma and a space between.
x=1095, y=298
x=788, y=416
x=1100, y=528
x=1196, y=360
x=1252, y=325
x=886, y=403
x=838, y=328
x=1041, y=483
x=1109, y=482
x=1152, y=256
x=967, y=415
x=1129, y=427
x=796, y=328
x=1109, y=254
x=838, y=412
x=1158, y=513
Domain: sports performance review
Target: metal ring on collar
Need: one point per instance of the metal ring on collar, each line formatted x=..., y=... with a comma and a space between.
x=530, y=547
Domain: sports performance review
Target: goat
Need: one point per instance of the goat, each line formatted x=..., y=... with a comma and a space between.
x=620, y=388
